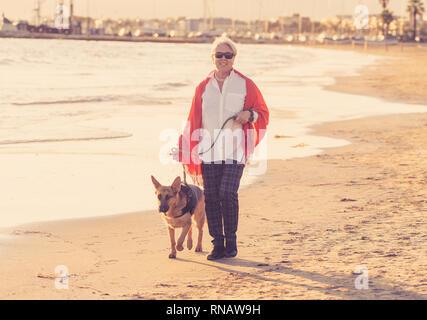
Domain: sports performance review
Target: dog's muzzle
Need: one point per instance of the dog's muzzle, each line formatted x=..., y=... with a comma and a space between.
x=163, y=209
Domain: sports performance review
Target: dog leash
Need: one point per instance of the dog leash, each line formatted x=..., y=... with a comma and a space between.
x=200, y=153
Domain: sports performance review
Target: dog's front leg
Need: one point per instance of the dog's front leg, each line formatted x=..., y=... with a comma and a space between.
x=189, y=239
x=181, y=238
x=172, y=255
x=199, y=239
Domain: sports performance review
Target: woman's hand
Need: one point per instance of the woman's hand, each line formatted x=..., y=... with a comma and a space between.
x=243, y=117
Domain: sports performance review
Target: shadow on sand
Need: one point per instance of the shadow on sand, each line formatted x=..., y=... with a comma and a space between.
x=340, y=286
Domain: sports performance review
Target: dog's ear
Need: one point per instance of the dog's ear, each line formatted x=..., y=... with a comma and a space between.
x=176, y=185
x=155, y=182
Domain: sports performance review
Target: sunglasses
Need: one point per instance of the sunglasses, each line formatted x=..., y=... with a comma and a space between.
x=227, y=55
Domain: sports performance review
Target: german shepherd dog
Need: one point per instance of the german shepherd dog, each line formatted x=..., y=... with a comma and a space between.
x=180, y=205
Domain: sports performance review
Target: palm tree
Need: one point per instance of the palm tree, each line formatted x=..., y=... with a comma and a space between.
x=415, y=8
x=386, y=16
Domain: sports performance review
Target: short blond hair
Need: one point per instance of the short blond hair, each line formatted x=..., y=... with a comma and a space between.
x=224, y=40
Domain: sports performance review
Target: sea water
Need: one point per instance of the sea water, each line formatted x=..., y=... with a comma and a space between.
x=84, y=124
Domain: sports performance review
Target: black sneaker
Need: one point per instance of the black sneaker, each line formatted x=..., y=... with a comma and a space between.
x=217, y=253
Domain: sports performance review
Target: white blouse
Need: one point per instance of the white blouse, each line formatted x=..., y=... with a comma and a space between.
x=217, y=106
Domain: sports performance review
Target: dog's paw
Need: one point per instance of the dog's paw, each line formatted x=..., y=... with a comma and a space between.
x=179, y=247
x=172, y=255
x=199, y=249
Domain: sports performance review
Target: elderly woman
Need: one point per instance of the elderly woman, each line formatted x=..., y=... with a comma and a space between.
x=228, y=118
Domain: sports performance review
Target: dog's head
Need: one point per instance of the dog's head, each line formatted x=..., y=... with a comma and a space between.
x=167, y=196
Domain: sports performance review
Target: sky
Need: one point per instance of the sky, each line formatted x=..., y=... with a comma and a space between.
x=239, y=9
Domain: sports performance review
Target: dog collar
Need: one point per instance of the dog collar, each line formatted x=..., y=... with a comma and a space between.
x=191, y=200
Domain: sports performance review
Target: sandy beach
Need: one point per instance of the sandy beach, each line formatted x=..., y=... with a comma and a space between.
x=402, y=76
x=306, y=230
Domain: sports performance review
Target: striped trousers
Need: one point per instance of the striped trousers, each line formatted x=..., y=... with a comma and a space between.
x=221, y=183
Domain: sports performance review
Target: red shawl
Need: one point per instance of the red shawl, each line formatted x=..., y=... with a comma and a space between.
x=254, y=132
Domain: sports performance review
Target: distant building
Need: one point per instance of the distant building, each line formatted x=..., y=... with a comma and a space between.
x=223, y=24
x=193, y=25
x=240, y=26
x=295, y=23
x=290, y=22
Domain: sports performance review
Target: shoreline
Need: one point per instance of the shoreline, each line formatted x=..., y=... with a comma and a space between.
x=356, y=45
x=77, y=175
x=182, y=39
x=82, y=37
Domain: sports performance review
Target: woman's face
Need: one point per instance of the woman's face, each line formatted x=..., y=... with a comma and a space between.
x=223, y=64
